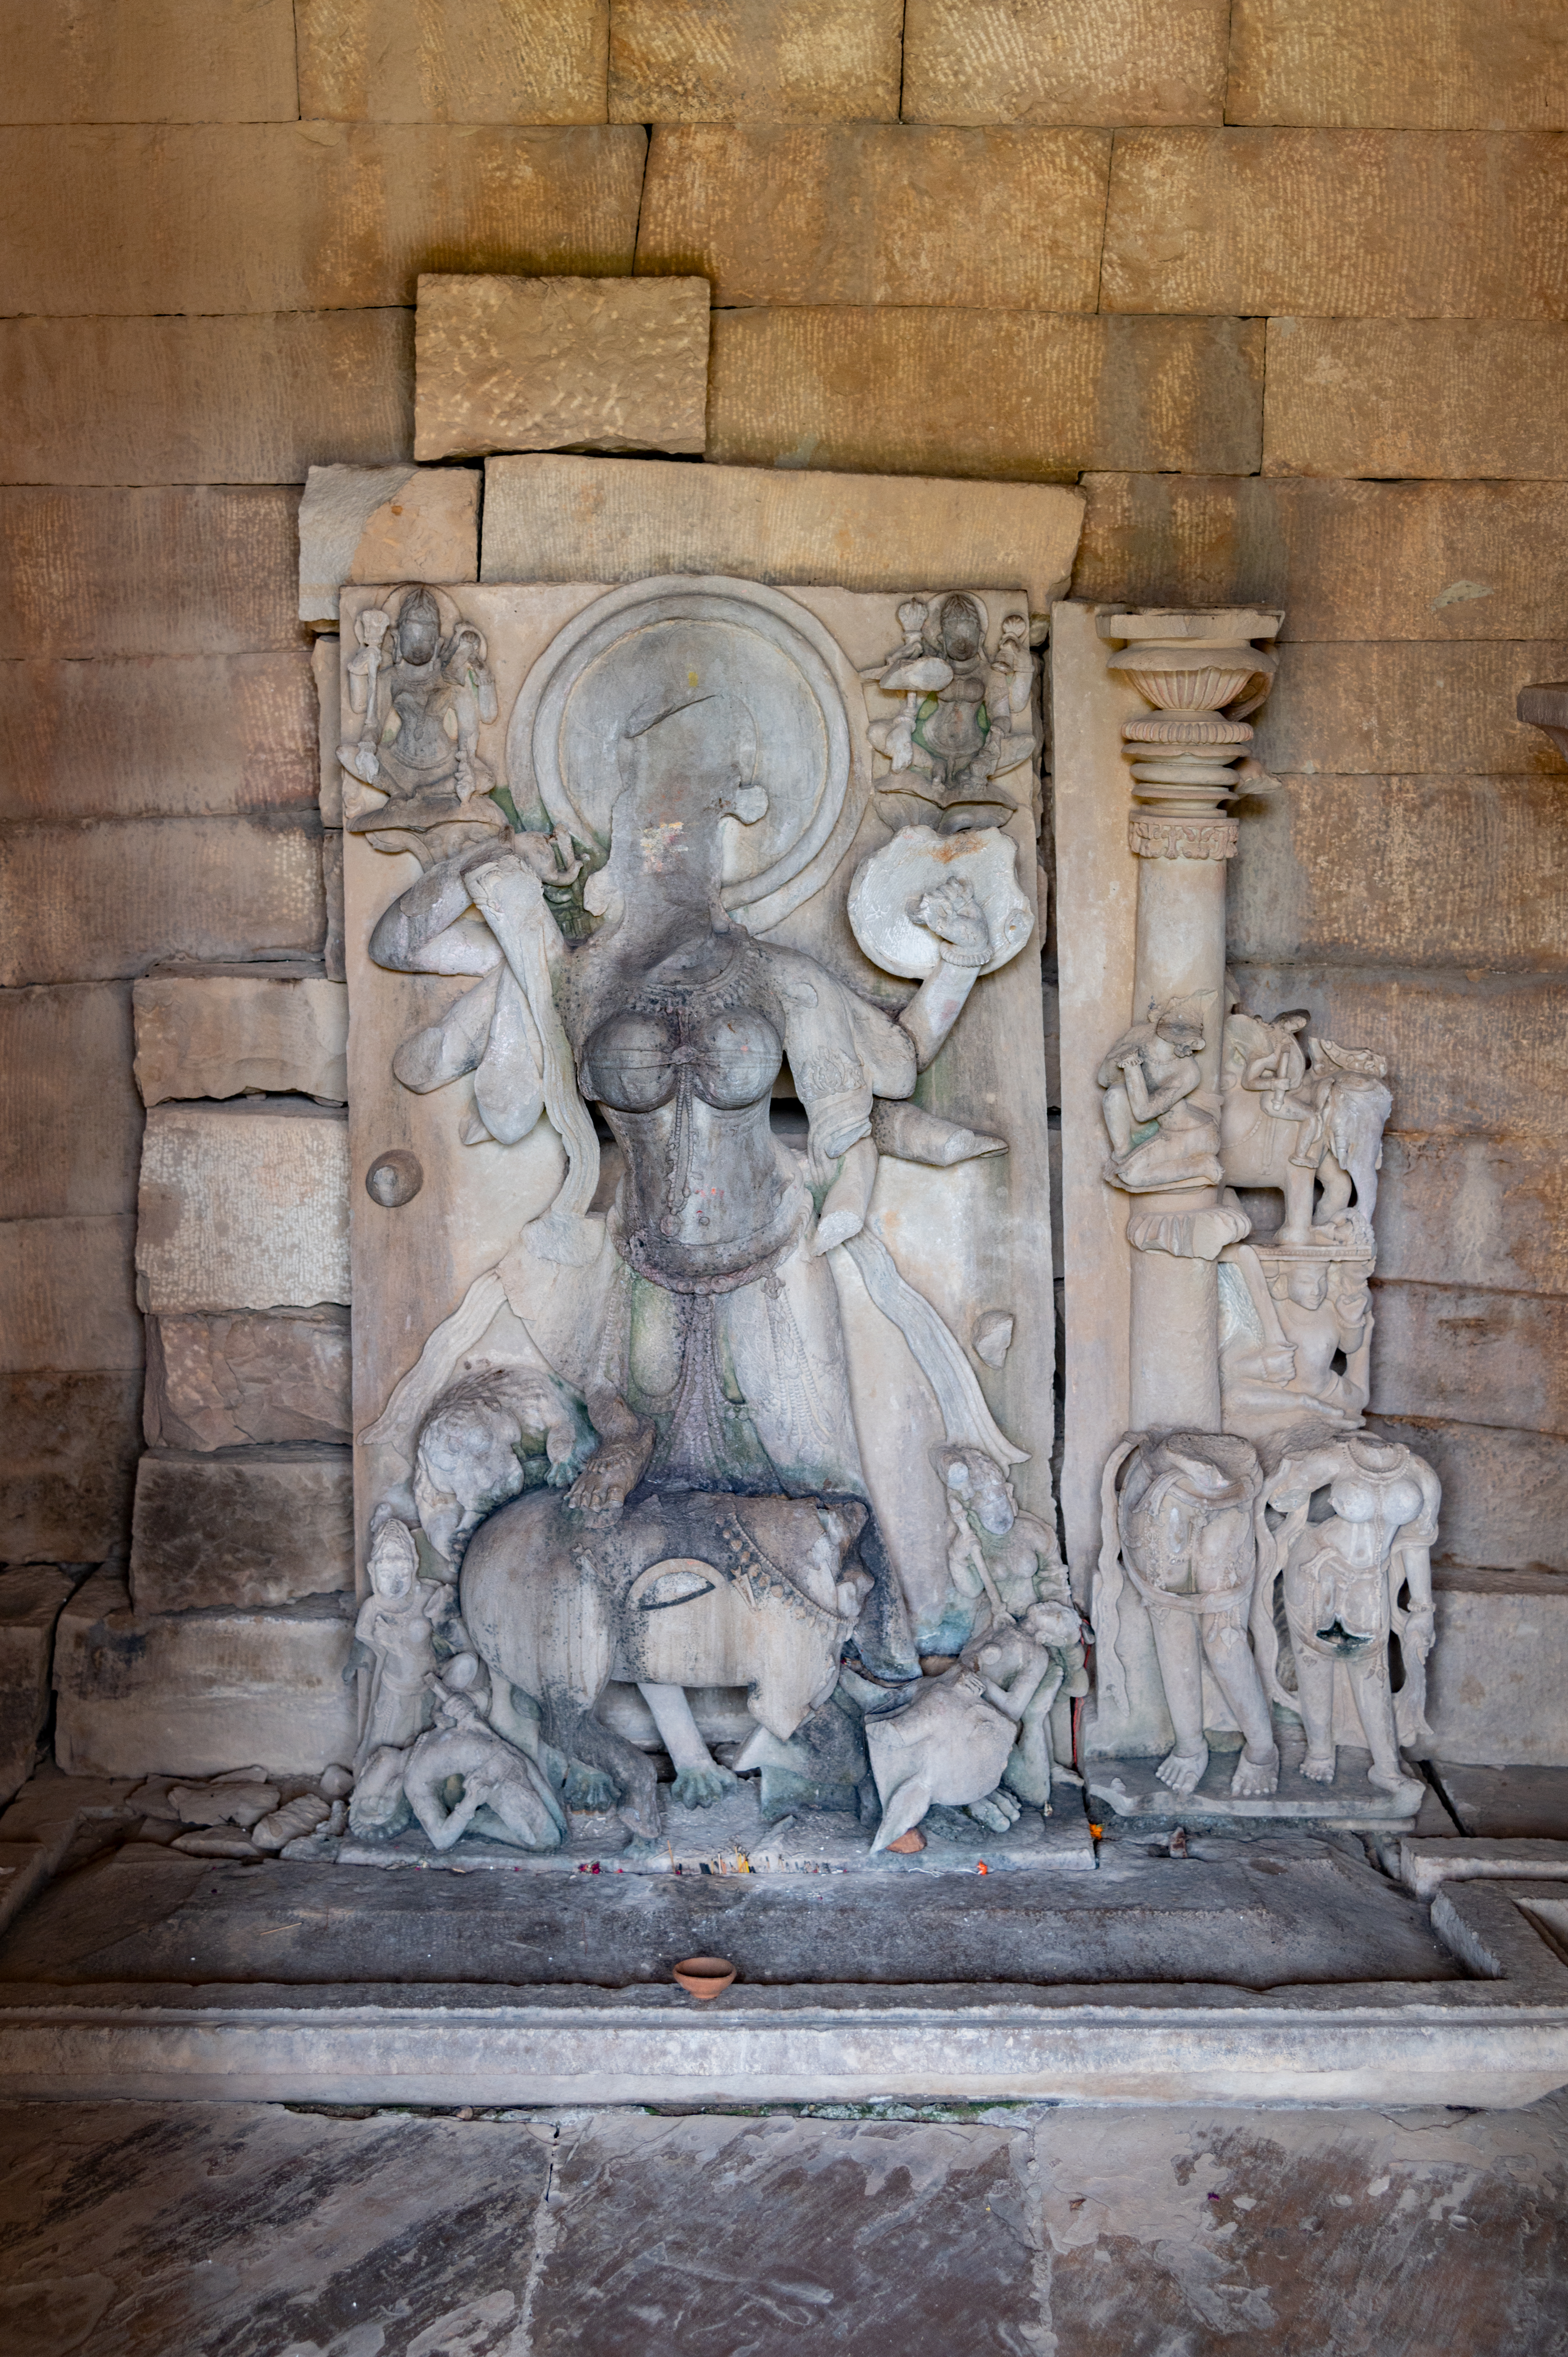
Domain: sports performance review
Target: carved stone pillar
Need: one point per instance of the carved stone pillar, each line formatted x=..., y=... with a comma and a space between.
x=1200, y=673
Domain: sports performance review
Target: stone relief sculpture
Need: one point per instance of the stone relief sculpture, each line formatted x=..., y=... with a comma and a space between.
x=638, y=1440
x=964, y=719
x=1351, y=1581
x=1249, y=1476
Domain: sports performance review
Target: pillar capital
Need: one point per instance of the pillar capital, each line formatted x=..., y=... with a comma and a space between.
x=1202, y=672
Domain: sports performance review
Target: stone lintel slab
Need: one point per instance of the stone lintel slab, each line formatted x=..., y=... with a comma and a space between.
x=559, y=363
x=219, y=1030
x=583, y=519
x=384, y=523
x=1502, y=2045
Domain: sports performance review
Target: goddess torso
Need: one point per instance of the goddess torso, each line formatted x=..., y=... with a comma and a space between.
x=684, y=1070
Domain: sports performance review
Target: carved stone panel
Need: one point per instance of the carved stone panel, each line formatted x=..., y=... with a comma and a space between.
x=700, y=1194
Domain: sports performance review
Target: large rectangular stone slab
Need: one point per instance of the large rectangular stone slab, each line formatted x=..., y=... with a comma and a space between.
x=67, y=1299
x=128, y=62
x=1512, y=1804
x=384, y=523
x=147, y=737
x=749, y=60
x=197, y=571
x=1013, y=393
x=224, y=1031
x=204, y=400
x=194, y=1694
x=1496, y=1692
x=31, y=1596
x=71, y=1127
x=1484, y=1357
x=225, y=1381
x=1449, y=225
x=1403, y=708
x=558, y=518
x=243, y=1206
x=514, y=363
x=251, y=217
x=467, y=61
x=1053, y=61
x=1489, y=1211
x=68, y=1464
x=871, y=212
x=1432, y=397
x=112, y=896
x=1468, y=1057
x=1457, y=65
x=1346, y=560
x=1469, y=872
x=254, y=1526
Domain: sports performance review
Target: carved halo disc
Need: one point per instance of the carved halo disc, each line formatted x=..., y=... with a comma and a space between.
x=737, y=639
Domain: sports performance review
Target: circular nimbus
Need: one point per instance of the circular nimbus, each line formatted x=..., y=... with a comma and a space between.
x=709, y=635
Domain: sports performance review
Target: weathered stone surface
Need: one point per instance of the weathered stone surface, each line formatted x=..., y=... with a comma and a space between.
x=31, y=1596
x=1484, y=1357
x=260, y=1527
x=1404, y=709
x=1013, y=393
x=220, y=1031
x=333, y=951
x=1512, y=1804
x=276, y=2223
x=1456, y=65
x=68, y=1467
x=1447, y=224
x=194, y=1694
x=148, y=61
x=145, y=737
x=1052, y=61
x=551, y=519
x=560, y=363
x=225, y=400
x=112, y=896
x=325, y=655
x=1498, y=1682
x=251, y=217
x=869, y=212
x=1484, y=1057
x=1433, y=397
x=70, y=1128
x=243, y=1206
x=746, y=61
x=189, y=572
x=1489, y=1211
x=220, y=1381
x=67, y=1301
x=469, y=62
x=1346, y=560
x=1470, y=871
x=1095, y=924
x=384, y=523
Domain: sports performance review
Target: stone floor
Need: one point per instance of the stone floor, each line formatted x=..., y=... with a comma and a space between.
x=211, y=2230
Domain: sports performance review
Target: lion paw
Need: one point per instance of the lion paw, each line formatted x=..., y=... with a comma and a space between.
x=699, y=1788
x=589, y=1788
x=1318, y=1769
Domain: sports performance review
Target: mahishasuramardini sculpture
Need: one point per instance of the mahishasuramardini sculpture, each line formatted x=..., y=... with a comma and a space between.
x=631, y=1446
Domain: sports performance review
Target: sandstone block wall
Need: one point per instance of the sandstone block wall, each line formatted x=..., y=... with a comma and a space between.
x=1283, y=283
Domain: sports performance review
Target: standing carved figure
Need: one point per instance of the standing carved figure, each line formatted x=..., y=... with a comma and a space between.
x=1351, y=1582
x=1178, y=1524
x=1295, y=1339
x=423, y=698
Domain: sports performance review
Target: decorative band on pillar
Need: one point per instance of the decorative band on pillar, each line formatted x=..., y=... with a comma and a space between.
x=1181, y=838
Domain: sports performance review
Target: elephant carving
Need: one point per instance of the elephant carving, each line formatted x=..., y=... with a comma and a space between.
x=681, y=1589
x=1296, y=1126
